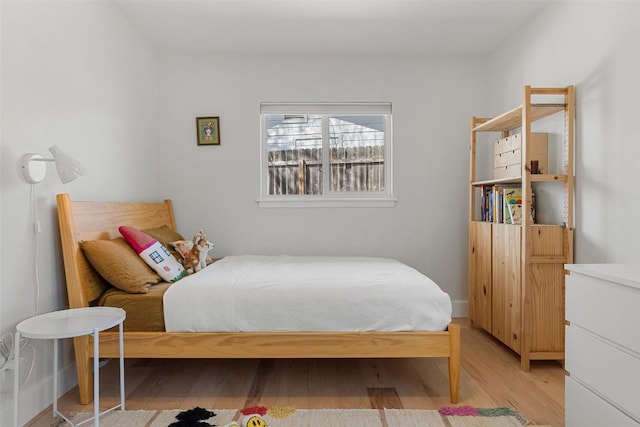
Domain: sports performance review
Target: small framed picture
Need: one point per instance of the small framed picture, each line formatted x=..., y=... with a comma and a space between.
x=208, y=130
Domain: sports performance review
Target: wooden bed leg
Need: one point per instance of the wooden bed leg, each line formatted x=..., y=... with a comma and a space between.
x=83, y=367
x=454, y=361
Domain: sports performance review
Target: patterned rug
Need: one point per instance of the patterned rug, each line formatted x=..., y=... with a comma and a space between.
x=458, y=416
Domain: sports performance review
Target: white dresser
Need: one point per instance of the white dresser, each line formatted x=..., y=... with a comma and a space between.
x=602, y=349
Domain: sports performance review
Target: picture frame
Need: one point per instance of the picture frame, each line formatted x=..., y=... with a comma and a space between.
x=208, y=130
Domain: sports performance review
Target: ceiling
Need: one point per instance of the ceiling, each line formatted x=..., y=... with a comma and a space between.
x=329, y=26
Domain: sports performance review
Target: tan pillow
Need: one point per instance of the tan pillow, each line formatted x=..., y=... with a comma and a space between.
x=119, y=265
x=165, y=236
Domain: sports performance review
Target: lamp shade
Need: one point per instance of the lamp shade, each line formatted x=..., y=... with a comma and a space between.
x=67, y=167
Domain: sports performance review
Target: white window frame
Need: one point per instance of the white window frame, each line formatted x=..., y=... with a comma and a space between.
x=337, y=199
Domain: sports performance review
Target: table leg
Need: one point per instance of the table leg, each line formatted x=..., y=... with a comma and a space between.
x=16, y=377
x=121, y=366
x=96, y=377
x=55, y=377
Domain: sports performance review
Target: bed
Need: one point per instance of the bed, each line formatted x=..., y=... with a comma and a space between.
x=81, y=221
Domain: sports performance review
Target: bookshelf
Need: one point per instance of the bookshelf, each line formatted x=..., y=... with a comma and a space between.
x=516, y=271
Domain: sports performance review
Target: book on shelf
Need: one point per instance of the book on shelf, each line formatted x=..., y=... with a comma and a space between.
x=503, y=204
x=533, y=207
x=515, y=213
x=485, y=203
x=500, y=211
x=512, y=197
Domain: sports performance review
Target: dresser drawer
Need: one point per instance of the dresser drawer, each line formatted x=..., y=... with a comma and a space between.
x=585, y=409
x=606, y=308
x=601, y=366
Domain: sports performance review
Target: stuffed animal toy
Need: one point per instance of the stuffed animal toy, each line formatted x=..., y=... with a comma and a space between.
x=196, y=259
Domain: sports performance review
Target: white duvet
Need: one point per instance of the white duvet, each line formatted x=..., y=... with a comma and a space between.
x=305, y=294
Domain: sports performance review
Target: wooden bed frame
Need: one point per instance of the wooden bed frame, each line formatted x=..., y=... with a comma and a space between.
x=81, y=220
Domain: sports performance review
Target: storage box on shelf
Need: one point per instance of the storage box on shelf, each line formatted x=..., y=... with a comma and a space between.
x=516, y=273
x=507, y=155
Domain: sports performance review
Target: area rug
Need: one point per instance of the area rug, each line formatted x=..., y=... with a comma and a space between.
x=458, y=416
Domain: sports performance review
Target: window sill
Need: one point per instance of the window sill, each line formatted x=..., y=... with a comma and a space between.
x=317, y=202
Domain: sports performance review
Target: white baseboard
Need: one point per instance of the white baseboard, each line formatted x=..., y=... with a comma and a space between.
x=460, y=308
x=35, y=397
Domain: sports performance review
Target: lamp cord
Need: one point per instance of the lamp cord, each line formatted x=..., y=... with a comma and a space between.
x=36, y=251
x=7, y=350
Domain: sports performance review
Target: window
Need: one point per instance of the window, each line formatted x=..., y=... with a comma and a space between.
x=326, y=155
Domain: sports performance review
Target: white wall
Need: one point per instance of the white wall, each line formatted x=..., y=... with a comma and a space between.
x=216, y=187
x=74, y=74
x=592, y=45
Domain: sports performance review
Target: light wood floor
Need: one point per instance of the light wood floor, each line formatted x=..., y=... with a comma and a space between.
x=490, y=377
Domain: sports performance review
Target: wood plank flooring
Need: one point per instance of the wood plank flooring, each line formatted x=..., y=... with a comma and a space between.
x=490, y=377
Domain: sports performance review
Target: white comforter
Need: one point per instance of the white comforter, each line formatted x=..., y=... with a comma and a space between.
x=285, y=293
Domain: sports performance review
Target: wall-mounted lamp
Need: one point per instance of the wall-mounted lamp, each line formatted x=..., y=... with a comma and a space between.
x=34, y=168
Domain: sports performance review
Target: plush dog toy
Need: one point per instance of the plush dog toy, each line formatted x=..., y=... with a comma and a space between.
x=196, y=259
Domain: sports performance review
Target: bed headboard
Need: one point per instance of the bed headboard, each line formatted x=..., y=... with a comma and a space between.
x=81, y=220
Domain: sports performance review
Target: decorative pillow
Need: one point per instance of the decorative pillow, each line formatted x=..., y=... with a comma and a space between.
x=154, y=253
x=119, y=265
x=165, y=236
x=183, y=247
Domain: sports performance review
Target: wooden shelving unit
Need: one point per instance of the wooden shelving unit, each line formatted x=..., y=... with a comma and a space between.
x=516, y=271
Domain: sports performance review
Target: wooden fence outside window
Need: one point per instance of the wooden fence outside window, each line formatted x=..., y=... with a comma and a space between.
x=299, y=171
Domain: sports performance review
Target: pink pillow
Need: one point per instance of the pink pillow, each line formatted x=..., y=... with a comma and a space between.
x=154, y=254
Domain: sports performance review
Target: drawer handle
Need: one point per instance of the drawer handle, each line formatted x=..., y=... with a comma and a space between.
x=484, y=289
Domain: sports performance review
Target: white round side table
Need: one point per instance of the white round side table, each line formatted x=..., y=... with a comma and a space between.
x=71, y=323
